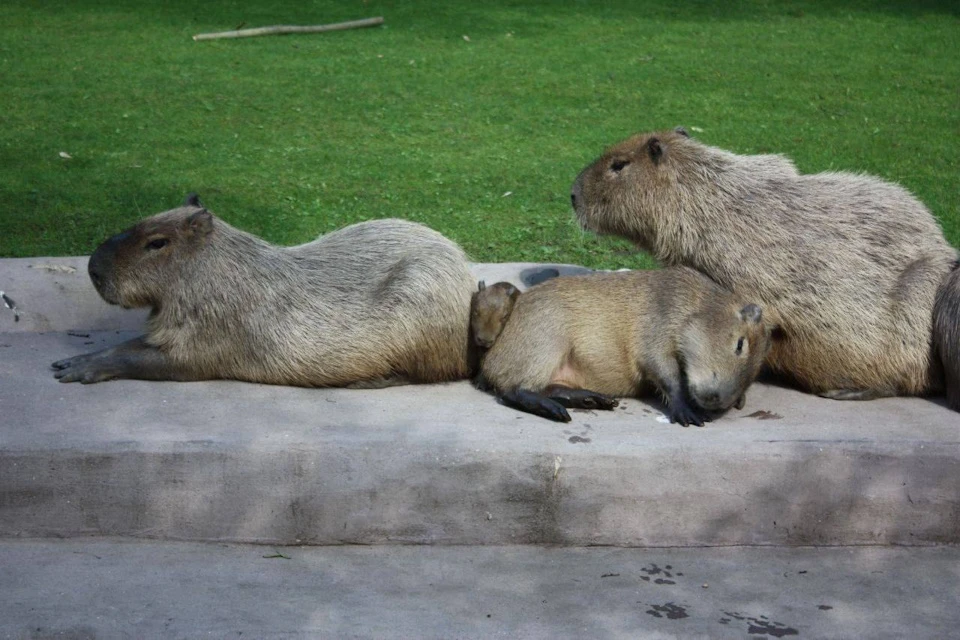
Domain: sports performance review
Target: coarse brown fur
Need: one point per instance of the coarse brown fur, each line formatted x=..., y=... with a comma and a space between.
x=617, y=333
x=373, y=304
x=847, y=265
x=946, y=331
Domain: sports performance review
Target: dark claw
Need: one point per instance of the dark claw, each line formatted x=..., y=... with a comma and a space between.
x=580, y=398
x=83, y=374
x=536, y=404
x=682, y=414
x=557, y=413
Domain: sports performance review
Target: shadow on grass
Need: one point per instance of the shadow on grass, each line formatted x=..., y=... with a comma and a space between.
x=489, y=17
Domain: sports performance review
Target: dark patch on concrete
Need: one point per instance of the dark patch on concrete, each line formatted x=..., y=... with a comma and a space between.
x=654, y=570
x=26, y=497
x=610, y=575
x=762, y=626
x=532, y=276
x=775, y=629
x=536, y=495
x=78, y=334
x=764, y=415
x=80, y=632
x=824, y=607
x=576, y=439
x=670, y=610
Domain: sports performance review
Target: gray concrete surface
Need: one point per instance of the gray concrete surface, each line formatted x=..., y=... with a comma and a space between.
x=120, y=589
x=445, y=464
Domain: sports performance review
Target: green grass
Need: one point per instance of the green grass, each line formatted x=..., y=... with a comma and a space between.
x=289, y=137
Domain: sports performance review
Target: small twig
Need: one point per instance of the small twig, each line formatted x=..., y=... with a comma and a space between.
x=10, y=304
x=281, y=29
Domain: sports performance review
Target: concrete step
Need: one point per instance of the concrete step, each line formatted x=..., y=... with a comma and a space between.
x=97, y=588
x=230, y=461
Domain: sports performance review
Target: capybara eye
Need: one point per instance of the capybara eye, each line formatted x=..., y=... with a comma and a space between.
x=618, y=165
x=157, y=243
x=739, y=346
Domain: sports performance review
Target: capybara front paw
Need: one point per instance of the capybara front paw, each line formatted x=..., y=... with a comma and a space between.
x=84, y=373
x=77, y=360
x=606, y=403
x=685, y=415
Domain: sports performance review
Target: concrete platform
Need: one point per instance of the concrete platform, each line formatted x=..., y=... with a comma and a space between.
x=231, y=461
x=122, y=589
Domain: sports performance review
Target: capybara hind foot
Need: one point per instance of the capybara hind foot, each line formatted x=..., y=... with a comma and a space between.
x=580, y=398
x=535, y=403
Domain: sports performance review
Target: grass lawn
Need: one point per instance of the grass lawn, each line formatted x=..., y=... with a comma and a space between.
x=472, y=117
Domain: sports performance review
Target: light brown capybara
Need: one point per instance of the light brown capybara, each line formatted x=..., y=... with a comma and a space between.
x=373, y=304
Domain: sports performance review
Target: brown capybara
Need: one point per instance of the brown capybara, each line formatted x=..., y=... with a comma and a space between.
x=373, y=304
x=581, y=341
x=848, y=266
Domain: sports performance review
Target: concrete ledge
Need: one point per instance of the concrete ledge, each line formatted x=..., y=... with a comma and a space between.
x=443, y=463
x=123, y=589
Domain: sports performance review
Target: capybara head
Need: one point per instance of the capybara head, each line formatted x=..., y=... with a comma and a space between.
x=490, y=308
x=722, y=351
x=632, y=179
x=134, y=267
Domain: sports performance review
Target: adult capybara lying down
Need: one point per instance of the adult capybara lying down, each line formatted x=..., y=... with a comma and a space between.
x=374, y=304
x=581, y=341
x=849, y=266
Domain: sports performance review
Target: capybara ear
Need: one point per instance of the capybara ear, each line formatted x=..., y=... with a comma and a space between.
x=192, y=200
x=481, y=285
x=682, y=131
x=200, y=223
x=655, y=149
x=751, y=313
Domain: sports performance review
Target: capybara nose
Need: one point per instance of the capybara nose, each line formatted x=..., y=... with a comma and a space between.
x=576, y=190
x=711, y=399
x=95, y=278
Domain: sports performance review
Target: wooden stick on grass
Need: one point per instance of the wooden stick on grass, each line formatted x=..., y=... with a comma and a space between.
x=281, y=29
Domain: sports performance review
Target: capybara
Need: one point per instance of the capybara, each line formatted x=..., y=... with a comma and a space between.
x=581, y=341
x=373, y=304
x=848, y=266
